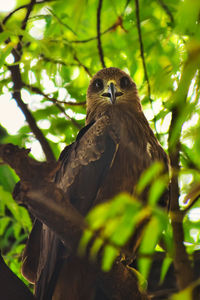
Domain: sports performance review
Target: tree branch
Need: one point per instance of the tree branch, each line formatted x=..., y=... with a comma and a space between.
x=17, y=53
x=82, y=65
x=67, y=116
x=137, y=11
x=21, y=7
x=17, y=86
x=183, y=268
x=16, y=78
x=56, y=102
x=119, y=22
x=52, y=99
x=184, y=272
x=13, y=12
x=100, y=49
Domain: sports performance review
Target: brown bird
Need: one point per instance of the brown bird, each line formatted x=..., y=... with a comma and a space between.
x=108, y=157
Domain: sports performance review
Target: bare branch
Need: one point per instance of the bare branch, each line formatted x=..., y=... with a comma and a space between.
x=57, y=103
x=21, y=7
x=137, y=9
x=118, y=23
x=82, y=65
x=184, y=272
x=52, y=99
x=67, y=116
x=13, y=12
x=66, y=64
x=100, y=49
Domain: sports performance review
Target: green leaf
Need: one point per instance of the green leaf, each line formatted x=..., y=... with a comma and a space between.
x=156, y=190
x=165, y=267
x=151, y=237
x=152, y=172
x=109, y=256
x=97, y=244
x=5, y=52
x=86, y=237
x=186, y=294
x=3, y=224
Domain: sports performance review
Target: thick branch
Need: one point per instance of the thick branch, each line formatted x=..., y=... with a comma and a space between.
x=184, y=272
x=182, y=264
x=100, y=49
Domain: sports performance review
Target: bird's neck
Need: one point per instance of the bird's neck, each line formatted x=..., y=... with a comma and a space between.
x=123, y=108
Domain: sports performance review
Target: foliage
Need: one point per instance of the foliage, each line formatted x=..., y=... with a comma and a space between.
x=59, y=52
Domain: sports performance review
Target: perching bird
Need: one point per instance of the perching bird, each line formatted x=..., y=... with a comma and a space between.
x=108, y=157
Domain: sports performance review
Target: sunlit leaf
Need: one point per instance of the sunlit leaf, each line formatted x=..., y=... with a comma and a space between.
x=110, y=254
x=148, y=176
x=165, y=267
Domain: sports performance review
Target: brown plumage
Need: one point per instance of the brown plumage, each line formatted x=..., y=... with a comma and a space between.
x=107, y=158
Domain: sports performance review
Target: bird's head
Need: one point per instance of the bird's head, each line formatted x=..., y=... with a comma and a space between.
x=111, y=86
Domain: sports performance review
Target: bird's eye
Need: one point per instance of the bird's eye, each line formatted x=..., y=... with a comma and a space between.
x=125, y=82
x=98, y=84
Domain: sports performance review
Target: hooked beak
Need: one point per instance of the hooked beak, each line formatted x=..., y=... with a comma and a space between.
x=112, y=93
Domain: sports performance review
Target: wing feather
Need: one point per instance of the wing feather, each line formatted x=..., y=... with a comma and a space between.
x=84, y=165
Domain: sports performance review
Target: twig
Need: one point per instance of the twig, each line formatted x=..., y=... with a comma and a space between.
x=21, y=7
x=142, y=48
x=57, y=103
x=13, y=12
x=38, y=91
x=166, y=9
x=119, y=22
x=61, y=22
x=137, y=9
x=82, y=65
x=23, y=26
x=55, y=61
x=67, y=116
x=127, y=3
x=92, y=38
x=191, y=204
x=99, y=33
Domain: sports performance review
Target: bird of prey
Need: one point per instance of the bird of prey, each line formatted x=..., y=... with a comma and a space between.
x=108, y=157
